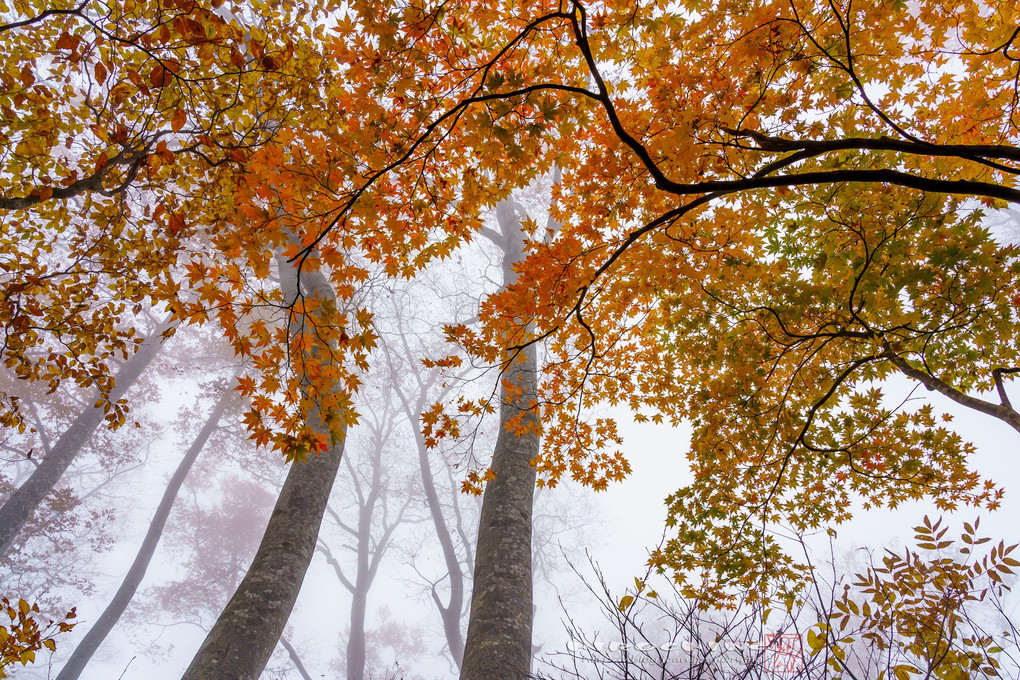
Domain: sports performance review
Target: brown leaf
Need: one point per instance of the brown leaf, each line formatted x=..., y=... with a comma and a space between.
x=160, y=76
x=178, y=120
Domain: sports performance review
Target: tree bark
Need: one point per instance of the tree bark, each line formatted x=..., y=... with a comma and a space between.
x=246, y=633
x=106, y=621
x=498, y=645
x=23, y=502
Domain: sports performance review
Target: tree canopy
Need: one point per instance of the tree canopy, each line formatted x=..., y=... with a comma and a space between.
x=766, y=210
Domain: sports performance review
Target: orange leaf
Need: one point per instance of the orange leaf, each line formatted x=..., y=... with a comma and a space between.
x=66, y=42
x=178, y=120
x=175, y=224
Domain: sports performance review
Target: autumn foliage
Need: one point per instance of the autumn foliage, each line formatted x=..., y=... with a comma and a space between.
x=767, y=209
x=22, y=636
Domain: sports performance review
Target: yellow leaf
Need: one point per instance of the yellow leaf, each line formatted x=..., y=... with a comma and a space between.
x=626, y=602
x=902, y=672
x=815, y=641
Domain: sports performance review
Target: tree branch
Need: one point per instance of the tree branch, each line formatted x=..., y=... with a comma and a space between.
x=50, y=12
x=1003, y=412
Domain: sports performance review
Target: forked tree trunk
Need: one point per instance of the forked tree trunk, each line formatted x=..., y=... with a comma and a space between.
x=498, y=644
x=106, y=621
x=30, y=495
x=246, y=633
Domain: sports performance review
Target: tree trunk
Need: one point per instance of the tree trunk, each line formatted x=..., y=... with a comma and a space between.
x=451, y=612
x=292, y=653
x=356, y=652
x=106, y=621
x=246, y=633
x=368, y=555
x=23, y=502
x=498, y=645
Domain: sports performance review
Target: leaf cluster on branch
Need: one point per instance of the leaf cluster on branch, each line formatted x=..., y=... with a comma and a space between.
x=766, y=211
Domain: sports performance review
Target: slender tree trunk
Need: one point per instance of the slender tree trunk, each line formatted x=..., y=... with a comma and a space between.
x=363, y=578
x=30, y=495
x=356, y=652
x=450, y=613
x=498, y=645
x=106, y=621
x=292, y=653
x=246, y=633
x=368, y=557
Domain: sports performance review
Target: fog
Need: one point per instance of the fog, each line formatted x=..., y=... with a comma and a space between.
x=379, y=540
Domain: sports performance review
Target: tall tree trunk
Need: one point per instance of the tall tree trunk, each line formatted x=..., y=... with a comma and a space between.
x=356, y=642
x=106, y=621
x=30, y=495
x=450, y=613
x=246, y=633
x=498, y=645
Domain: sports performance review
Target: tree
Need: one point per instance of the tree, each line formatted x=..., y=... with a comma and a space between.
x=47, y=561
x=773, y=209
x=133, y=112
x=213, y=538
x=765, y=206
x=18, y=508
x=936, y=611
x=104, y=624
x=498, y=643
x=456, y=548
x=210, y=540
x=379, y=509
x=931, y=611
x=654, y=632
x=248, y=630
